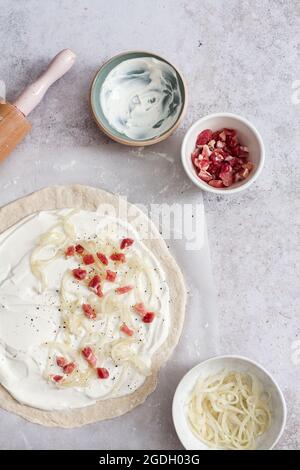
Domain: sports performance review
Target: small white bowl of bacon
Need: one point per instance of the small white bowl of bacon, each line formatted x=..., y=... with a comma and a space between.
x=222, y=153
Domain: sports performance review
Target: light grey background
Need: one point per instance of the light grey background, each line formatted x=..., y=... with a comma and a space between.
x=239, y=56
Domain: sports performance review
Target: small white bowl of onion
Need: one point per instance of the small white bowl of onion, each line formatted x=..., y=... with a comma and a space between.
x=228, y=403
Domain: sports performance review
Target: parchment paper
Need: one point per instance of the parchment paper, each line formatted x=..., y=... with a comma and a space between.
x=145, y=177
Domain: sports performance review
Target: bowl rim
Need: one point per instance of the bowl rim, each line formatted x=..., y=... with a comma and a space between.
x=242, y=359
x=138, y=143
x=207, y=187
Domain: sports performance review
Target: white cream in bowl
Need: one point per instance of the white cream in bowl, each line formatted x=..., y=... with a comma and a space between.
x=141, y=98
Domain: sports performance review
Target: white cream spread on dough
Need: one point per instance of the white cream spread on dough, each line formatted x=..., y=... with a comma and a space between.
x=141, y=98
x=36, y=326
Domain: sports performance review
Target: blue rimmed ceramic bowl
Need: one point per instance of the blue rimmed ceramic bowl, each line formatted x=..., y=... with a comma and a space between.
x=97, y=110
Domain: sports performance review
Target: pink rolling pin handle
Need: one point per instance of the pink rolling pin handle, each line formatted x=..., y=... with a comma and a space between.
x=33, y=94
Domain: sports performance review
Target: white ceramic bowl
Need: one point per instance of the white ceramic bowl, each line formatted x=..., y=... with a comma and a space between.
x=247, y=134
x=214, y=365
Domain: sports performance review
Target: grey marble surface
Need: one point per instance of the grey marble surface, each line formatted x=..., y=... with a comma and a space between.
x=239, y=56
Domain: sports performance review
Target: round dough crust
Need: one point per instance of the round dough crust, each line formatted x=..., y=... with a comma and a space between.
x=88, y=198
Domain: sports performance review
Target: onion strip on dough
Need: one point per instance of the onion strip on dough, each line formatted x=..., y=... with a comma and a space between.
x=121, y=350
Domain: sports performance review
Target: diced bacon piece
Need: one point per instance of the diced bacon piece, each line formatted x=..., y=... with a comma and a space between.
x=232, y=140
x=56, y=378
x=200, y=157
x=88, y=259
x=203, y=164
x=226, y=176
x=239, y=152
x=89, y=356
x=79, y=249
x=244, y=173
x=61, y=361
x=99, y=291
x=214, y=169
x=197, y=163
x=111, y=276
x=86, y=352
x=149, y=317
x=68, y=368
x=118, y=257
x=79, y=273
x=222, y=136
x=231, y=132
x=226, y=167
x=248, y=165
x=89, y=311
x=220, y=144
x=123, y=290
x=204, y=137
x=102, y=258
x=70, y=251
x=125, y=329
x=206, y=152
x=140, y=308
x=215, y=136
x=237, y=177
x=94, y=282
x=216, y=157
x=221, y=152
x=234, y=150
x=102, y=373
x=205, y=176
x=236, y=163
x=126, y=242
x=95, y=286
x=195, y=153
x=216, y=183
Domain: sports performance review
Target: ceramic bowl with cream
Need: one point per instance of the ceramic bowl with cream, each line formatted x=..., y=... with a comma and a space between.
x=138, y=98
x=248, y=138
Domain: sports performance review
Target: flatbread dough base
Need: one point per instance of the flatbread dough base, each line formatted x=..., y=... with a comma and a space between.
x=88, y=198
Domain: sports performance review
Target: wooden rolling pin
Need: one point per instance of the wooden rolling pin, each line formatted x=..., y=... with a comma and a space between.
x=13, y=123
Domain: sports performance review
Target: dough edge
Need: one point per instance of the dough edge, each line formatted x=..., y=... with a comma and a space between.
x=89, y=198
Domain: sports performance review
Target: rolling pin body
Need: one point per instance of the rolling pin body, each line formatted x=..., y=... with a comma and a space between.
x=13, y=123
x=13, y=128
